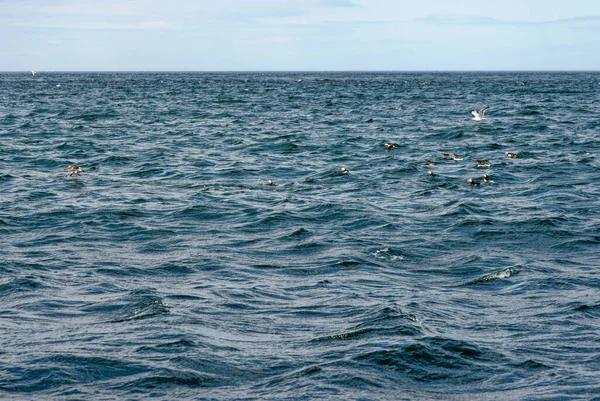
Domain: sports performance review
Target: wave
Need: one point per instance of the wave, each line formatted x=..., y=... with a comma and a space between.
x=170, y=269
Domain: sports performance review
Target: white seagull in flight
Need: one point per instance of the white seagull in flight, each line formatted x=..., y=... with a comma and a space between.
x=479, y=115
x=33, y=73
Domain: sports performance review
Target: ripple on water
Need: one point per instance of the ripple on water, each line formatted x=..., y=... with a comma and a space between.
x=170, y=269
x=135, y=306
x=434, y=360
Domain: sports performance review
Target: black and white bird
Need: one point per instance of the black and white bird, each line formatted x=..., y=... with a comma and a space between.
x=511, y=155
x=487, y=179
x=75, y=170
x=389, y=146
x=480, y=115
x=483, y=164
x=344, y=170
x=431, y=174
x=473, y=183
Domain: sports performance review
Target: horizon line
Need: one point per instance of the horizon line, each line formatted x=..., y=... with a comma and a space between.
x=285, y=71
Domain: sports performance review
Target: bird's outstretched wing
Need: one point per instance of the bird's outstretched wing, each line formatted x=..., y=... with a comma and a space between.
x=476, y=114
x=482, y=111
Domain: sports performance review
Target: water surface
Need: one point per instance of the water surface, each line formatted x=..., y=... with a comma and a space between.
x=169, y=269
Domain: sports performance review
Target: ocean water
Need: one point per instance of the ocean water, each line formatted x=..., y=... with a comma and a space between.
x=169, y=269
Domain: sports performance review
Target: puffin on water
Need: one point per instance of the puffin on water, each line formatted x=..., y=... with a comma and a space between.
x=389, y=146
x=75, y=170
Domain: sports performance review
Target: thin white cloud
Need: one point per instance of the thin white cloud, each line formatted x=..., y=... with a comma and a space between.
x=127, y=26
x=457, y=19
x=340, y=3
x=152, y=25
x=577, y=21
x=114, y=8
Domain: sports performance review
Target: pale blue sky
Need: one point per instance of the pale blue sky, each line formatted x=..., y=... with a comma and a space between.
x=202, y=35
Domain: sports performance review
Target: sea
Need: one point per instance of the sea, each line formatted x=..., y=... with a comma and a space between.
x=213, y=248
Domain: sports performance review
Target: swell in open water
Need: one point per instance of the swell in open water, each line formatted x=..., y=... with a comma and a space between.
x=169, y=269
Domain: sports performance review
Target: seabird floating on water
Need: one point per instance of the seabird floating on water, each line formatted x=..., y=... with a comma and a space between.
x=430, y=163
x=456, y=157
x=271, y=183
x=431, y=174
x=479, y=115
x=75, y=170
x=344, y=170
x=473, y=183
x=487, y=179
x=390, y=146
x=483, y=164
x=511, y=155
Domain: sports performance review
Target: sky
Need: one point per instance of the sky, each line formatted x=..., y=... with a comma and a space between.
x=299, y=35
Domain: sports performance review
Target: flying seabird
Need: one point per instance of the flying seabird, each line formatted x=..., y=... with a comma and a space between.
x=473, y=183
x=479, y=115
x=33, y=73
x=390, y=146
x=75, y=170
x=483, y=164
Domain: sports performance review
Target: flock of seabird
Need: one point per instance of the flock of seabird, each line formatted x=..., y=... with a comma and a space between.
x=480, y=163
x=389, y=146
x=478, y=116
x=75, y=170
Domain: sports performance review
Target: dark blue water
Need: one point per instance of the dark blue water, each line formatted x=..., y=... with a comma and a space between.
x=169, y=269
